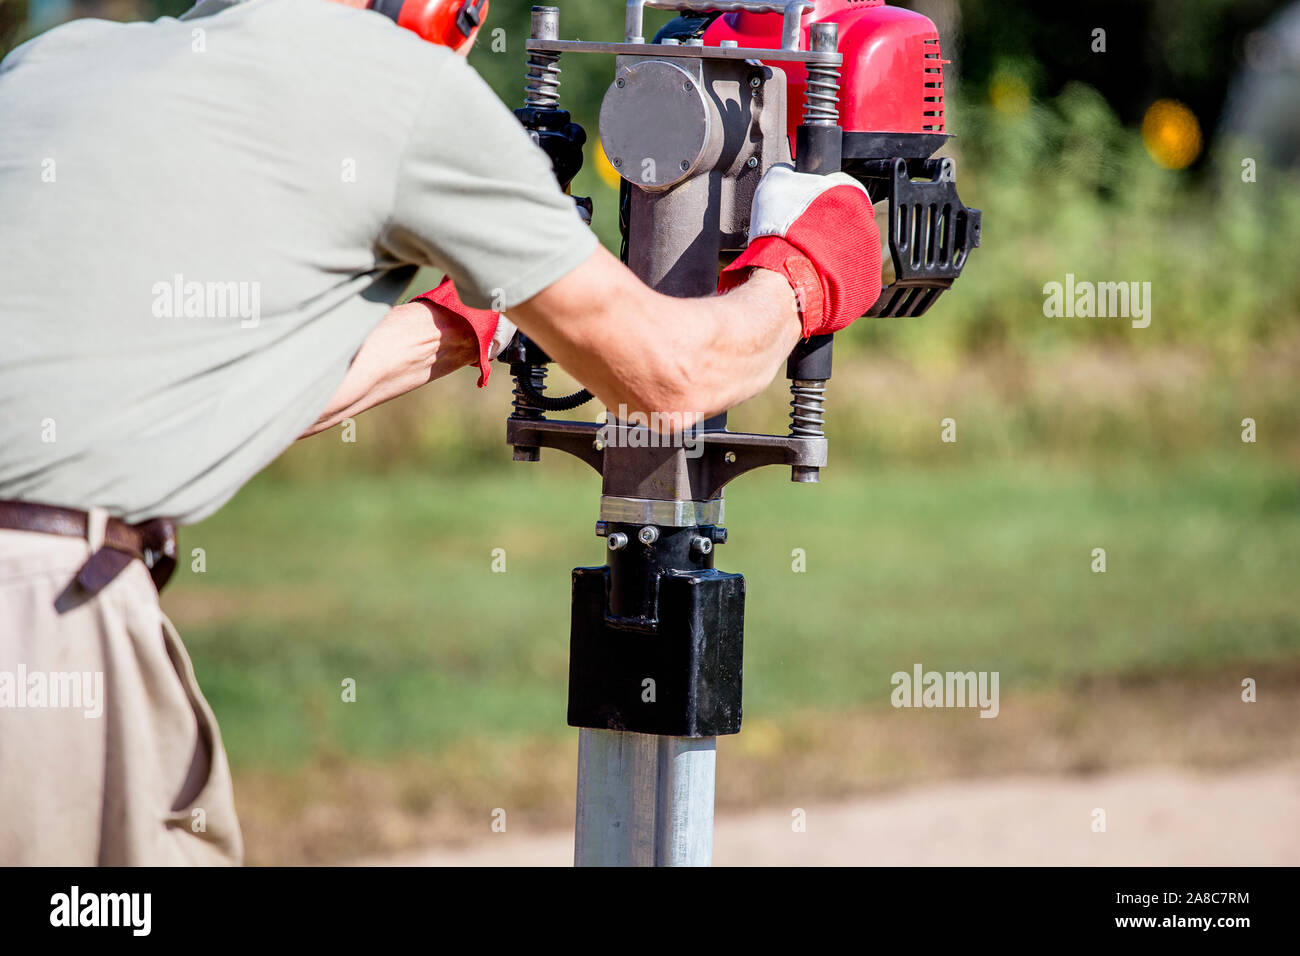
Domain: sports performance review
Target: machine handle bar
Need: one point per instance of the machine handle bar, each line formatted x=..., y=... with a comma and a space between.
x=792, y=12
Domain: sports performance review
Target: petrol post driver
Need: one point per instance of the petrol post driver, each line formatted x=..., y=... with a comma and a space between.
x=692, y=122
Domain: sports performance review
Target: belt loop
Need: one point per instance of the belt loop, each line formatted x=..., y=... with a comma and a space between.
x=96, y=523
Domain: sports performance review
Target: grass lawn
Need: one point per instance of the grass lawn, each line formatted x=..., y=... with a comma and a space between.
x=978, y=566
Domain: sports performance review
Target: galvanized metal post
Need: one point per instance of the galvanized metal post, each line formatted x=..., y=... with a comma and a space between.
x=644, y=800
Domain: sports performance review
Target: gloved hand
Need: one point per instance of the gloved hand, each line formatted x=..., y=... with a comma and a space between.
x=820, y=233
x=491, y=329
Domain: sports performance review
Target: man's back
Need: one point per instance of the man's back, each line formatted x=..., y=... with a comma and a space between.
x=200, y=228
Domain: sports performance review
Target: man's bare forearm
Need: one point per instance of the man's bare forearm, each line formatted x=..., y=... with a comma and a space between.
x=633, y=347
x=648, y=352
x=414, y=344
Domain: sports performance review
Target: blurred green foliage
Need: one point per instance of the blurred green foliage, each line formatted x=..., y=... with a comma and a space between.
x=1066, y=188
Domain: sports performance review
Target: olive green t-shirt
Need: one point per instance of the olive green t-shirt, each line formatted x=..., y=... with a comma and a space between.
x=202, y=218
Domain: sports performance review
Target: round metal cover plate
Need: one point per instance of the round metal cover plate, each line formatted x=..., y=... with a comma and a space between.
x=654, y=124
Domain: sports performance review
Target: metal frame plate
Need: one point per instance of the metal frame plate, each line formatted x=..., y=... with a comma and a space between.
x=685, y=50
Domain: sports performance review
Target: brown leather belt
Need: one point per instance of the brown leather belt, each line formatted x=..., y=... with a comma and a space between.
x=152, y=541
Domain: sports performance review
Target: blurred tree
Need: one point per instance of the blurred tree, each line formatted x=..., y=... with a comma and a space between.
x=13, y=20
x=1185, y=50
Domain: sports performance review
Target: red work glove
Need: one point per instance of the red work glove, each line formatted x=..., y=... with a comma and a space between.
x=491, y=329
x=820, y=233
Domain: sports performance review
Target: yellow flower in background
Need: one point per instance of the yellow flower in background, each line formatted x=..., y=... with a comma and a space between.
x=1172, y=134
x=608, y=174
x=1009, y=94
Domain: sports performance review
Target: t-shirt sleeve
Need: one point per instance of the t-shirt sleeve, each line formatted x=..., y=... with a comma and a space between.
x=477, y=198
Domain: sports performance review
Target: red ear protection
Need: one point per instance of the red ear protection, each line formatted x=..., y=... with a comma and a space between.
x=449, y=23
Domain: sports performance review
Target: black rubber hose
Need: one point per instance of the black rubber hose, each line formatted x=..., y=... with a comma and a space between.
x=552, y=403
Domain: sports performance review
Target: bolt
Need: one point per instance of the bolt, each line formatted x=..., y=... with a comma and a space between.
x=755, y=82
x=685, y=164
x=616, y=541
x=687, y=87
x=620, y=82
x=701, y=544
x=648, y=535
x=719, y=535
x=602, y=528
x=618, y=162
x=751, y=162
x=729, y=458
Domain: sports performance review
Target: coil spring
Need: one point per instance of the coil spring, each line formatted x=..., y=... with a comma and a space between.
x=807, y=409
x=543, y=89
x=530, y=375
x=821, y=100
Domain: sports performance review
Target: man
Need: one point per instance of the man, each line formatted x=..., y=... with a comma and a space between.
x=206, y=223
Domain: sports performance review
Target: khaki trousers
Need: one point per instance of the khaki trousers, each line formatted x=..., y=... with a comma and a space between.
x=109, y=755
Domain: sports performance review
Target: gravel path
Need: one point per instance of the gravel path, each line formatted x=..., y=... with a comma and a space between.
x=1153, y=817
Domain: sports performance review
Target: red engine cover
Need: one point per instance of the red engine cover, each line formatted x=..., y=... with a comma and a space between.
x=892, y=77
